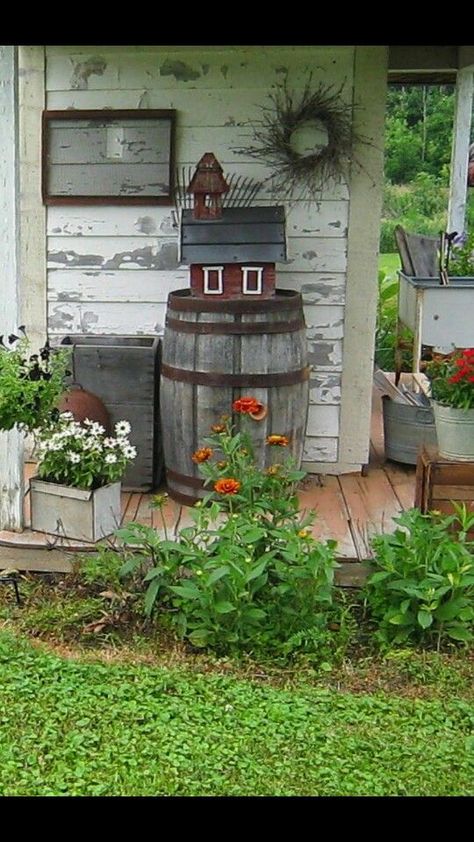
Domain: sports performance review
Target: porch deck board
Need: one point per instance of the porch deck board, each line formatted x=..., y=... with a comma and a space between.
x=349, y=509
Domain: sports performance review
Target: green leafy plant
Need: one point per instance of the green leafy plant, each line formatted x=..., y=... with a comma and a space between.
x=421, y=588
x=30, y=385
x=452, y=379
x=247, y=575
x=82, y=456
x=461, y=260
x=386, y=327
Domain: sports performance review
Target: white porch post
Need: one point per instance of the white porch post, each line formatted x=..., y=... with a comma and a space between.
x=460, y=149
x=11, y=443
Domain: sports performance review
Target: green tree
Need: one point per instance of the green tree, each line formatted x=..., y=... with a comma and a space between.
x=418, y=131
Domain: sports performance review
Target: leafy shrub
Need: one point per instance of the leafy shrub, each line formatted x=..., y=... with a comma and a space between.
x=461, y=262
x=247, y=575
x=421, y=589
x=30, y=386
x=386, y=327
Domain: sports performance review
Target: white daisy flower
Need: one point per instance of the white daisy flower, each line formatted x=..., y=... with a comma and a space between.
x=109, y=442
x=73, y=457
x=110, y=458
x=97, y=429
x=129, y=451
x=122, y=428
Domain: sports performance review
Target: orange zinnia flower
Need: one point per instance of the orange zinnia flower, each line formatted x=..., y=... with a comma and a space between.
x=202, y=455
x=227, y=486
x=218, y=428
x=247, y=405
x=282, y=441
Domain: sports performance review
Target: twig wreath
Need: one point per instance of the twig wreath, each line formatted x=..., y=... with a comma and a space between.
x=274, y=142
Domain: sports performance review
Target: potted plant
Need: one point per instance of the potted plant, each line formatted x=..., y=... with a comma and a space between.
x=76, y=493
x=452, y=395
x=30, y=384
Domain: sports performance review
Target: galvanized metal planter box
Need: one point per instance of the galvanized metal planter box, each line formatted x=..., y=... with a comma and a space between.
x=73, y=512
x=438, y=315
x=406, y=428
x=124, y=371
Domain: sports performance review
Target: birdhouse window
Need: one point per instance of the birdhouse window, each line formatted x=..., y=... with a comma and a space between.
x=252, y=280
x=213, y=279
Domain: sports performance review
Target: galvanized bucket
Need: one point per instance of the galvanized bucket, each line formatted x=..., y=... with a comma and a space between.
x=405, y=429
x=455, y=430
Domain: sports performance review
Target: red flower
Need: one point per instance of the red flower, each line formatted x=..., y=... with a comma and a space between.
x=202, y=455
x=280, y=441
x=247, y=405
x=227, y=486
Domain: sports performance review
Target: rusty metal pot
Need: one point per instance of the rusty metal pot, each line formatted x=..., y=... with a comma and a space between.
x=84, y=404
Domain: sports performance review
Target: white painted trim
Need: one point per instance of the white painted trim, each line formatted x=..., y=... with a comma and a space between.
x=31, y=99
x=11, y=443
x=460, y=149
x=220, y=287
x=366, y=187
x=245, y=280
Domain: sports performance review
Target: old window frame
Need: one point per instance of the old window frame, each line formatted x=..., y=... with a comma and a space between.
x=104, y=116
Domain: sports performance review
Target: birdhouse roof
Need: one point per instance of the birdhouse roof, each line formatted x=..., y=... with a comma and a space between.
x=240, y=235
x=208, y=177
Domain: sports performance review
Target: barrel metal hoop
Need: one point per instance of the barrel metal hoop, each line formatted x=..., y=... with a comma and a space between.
x=211, y=378
x=184, y=479
x=285, y=299
x=221, y=328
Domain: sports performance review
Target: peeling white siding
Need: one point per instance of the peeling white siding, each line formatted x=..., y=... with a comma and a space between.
x=110, y=269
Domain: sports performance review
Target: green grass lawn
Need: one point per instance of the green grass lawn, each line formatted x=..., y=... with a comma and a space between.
x=389, y=263
x=87, y=728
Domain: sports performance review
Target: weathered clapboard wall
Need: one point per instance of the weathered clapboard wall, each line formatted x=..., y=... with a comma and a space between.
x=110, y=269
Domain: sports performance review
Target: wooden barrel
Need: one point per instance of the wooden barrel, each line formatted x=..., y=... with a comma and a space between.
x=217, y=351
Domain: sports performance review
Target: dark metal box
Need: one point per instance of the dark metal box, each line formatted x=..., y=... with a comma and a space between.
x=124, y=372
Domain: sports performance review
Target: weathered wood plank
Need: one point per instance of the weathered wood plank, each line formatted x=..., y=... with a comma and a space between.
x=453, y=492
x=371, y=507
x=331, y=517
x=323, y=254
x=108, y=318
x=107, y=68
x=324, y=322
x=315, y=287
x=109, y=221
x=401, y=480
x=113, y=253
x=325, y=387
x=325, y=354
x=318, y=449
x=86, y=286
x=323, y=420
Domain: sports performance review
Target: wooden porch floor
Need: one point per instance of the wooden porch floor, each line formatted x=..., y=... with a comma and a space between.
x=350, y=509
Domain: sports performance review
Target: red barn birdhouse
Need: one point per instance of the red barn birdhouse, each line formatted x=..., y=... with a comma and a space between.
x=231, y=251
x=208, y=186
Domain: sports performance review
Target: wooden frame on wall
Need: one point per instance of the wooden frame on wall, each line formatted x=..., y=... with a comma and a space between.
x=113, y=157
